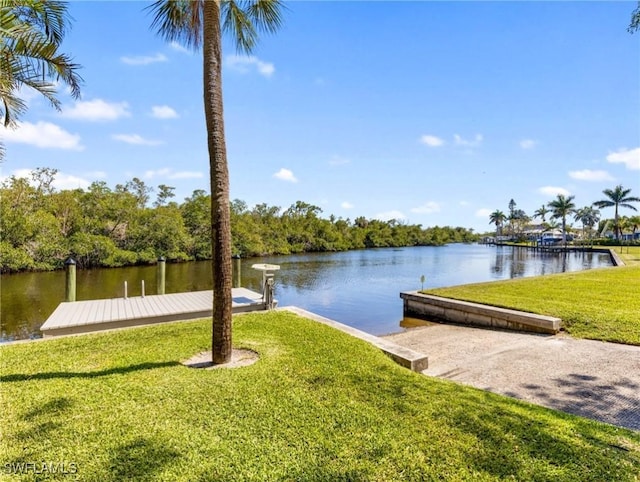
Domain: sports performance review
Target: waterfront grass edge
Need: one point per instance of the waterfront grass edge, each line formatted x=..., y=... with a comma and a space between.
x=600, y=304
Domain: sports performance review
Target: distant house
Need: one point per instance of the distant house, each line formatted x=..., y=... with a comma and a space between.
x=630, y=236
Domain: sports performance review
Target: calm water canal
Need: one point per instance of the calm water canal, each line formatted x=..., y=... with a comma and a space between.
x=358, y=288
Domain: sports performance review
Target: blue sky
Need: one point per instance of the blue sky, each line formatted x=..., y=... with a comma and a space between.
x=429, y=112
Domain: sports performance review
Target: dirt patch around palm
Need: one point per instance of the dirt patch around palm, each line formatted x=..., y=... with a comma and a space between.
x=240, y=357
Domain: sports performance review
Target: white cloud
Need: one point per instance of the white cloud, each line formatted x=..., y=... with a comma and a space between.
x=431, y=141
x=179, y=48
x=19, y=173
x=244, y=64
x=43, y=135
x=97, y=110
x=389, y=215
x=27, y=94
x=589, y=175
x=427, y=208
x=96, y=175
x=346, y=205
x=476, y=141
x=61, y=180
x=168, y=173
x=528, y=143
x=163, y=112
x=67, y=181
x=285, y=175
x=553, y=191
x=135, y=139
x=164, y=172
x=338, y=161
x=186, y=175
x=144, y=59
x=629, y=157
x=483, y=212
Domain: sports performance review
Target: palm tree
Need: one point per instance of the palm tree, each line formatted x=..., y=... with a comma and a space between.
x=498, y=218
x=541, y=213
x=634, y=221
x=589, y=217
x=31, y=33
x=625, y=224
x=200, y=23
x=561, y=207
x=617, y=197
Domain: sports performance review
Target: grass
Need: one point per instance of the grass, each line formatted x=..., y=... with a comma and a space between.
x=600, y=304
x=629, y=254
x=318, y=405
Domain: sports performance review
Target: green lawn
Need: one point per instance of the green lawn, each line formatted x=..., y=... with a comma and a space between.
x=601, y=304
x=629, y=254
x=318, y=405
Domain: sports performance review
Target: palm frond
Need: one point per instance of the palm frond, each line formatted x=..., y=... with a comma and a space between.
x=178, y=21
x=266, y=15
x=237, y=22
x=31, y=32
x=634, y=25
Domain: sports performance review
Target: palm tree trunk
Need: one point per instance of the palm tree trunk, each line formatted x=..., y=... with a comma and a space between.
x=219, y=174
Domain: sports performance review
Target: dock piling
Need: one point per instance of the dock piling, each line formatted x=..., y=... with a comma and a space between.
x=160, y=275
x=237, y=271
x=70, y=292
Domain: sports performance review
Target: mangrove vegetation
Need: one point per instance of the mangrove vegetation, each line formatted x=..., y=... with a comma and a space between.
x=134, y=224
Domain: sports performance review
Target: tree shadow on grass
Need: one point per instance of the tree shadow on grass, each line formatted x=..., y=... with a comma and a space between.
x=44, y=419
x=52, y=407
x=140, y=459
x=20, y=377
x=510, y=441
x=612, y=401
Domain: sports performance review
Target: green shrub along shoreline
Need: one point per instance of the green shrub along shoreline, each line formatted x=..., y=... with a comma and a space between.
x=318, y=405
x=104, y=227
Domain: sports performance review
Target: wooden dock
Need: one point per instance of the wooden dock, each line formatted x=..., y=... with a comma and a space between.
x=98, y=315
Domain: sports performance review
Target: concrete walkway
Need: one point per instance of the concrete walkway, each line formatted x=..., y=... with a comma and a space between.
x=589, y=378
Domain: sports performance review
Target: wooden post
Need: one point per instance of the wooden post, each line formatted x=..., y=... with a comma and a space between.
x=237, y=271
x=160, y=276
x=70, y=292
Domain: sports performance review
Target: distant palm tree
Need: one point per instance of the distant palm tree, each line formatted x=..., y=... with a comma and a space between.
x=199, y=23
x=31, y=33
x=589, y=217
x=561, y=207
x=634, y=221
x=541, y=213
x=617, y=197
x=625, y=224
x=498, y=218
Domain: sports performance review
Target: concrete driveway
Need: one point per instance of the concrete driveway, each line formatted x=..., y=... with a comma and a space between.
x=589, y=378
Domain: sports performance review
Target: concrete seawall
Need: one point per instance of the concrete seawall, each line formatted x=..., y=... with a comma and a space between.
x=419, y=305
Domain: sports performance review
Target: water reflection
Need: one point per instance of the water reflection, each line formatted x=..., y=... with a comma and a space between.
x=359, y=288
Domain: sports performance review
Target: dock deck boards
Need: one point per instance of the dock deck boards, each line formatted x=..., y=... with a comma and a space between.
x=98, y=315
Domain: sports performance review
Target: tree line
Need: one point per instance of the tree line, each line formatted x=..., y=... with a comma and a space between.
x=109, y=227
